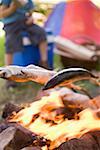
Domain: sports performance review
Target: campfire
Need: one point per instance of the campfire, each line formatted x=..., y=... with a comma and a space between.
x=53, y=121
x=59, y=120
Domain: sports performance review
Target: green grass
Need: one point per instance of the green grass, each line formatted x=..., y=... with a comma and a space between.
x=57, y=62
x=2, y=51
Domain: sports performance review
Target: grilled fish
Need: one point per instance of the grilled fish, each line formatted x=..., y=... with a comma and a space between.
x=68, y=76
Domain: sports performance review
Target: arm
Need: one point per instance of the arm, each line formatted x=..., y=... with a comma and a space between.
x=29, y=11
x=6, y=11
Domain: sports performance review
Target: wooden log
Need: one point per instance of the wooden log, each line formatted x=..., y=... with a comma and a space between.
x=32, y=148
x=9, y=109
x=89, y=141
x=95, y=103
x=14, y=138
x=79, y=100
x=20, y=136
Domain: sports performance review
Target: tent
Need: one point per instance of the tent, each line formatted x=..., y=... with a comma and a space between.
x=80, y=18
x=74, y=23
x=54, y=21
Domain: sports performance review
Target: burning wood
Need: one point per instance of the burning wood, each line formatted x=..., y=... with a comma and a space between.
x=52, y=127
x=53, y=122
x=61, y=116
x=9, y=109
x=88, y=141
x=12, y=138
x=32, y=148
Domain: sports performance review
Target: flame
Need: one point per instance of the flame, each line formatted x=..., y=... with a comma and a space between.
x=41, y=118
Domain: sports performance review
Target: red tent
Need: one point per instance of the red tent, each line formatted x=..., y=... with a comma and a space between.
x=81, y=19
x=77, y=18
x=79, y=22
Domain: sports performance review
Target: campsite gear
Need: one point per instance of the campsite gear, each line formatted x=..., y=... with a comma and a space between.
x=74, y=55
x=31, y=54
x=78, y=22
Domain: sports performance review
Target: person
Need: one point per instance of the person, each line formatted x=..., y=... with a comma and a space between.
x=17, y=17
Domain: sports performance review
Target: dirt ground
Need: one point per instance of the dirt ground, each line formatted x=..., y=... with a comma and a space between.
x=24, y=93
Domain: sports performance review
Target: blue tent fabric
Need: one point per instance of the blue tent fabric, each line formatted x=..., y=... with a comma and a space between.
x=55, y=19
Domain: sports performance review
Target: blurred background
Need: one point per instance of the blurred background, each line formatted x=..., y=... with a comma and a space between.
x=43, y=15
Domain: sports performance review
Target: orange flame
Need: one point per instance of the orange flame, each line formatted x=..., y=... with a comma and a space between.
x=57, y=129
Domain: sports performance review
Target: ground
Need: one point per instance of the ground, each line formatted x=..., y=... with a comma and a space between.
x=24, y=93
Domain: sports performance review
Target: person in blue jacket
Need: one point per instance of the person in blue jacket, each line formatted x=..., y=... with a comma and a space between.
x=17, y=17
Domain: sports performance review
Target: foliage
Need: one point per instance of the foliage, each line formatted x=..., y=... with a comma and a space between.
x=45, y=9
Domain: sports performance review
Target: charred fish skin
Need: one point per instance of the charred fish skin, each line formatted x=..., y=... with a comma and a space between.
x=67, y=76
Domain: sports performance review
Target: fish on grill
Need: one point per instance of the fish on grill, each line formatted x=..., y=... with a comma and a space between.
x=67, y=77
x=24, y=74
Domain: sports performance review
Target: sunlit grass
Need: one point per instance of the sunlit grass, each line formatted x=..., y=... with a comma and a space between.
x=2, y=51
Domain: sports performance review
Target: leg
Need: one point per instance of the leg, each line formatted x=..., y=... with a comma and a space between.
x=12, y=43
x=8, y=59
x=38, y=38
x=43, y=54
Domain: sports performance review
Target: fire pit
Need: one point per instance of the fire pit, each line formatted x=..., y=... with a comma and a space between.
x=60, y=120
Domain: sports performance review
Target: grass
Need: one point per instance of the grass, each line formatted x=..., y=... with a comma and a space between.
x=2, y=51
